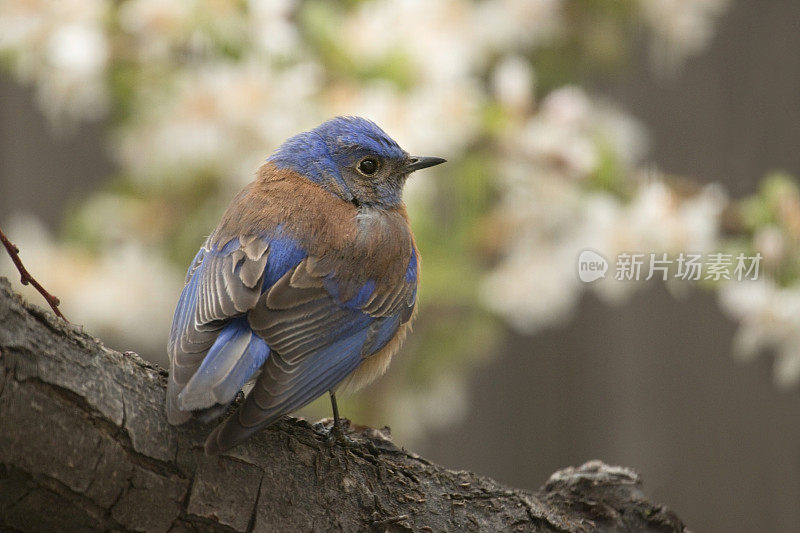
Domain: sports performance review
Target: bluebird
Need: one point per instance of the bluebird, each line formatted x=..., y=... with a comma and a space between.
x=307, y=285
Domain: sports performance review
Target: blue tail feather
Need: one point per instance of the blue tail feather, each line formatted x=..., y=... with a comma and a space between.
x=233, y=359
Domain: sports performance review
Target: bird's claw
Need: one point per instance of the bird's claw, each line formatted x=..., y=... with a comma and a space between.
x=337, y=435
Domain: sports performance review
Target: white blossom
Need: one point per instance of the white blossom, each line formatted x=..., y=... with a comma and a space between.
x=536, y=284
x=272, y=28
x=769, y=319
x=513, y=81
x=63, y=49
x=224, y=117
x=563, y=137
x=681, y=28
x=516, y=24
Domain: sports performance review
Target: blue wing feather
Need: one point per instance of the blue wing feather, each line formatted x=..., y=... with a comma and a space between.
x=187, y=299
x=411, y=270
x=384, y=332
x=323, y=370
x=227, y=352
x=284, y=255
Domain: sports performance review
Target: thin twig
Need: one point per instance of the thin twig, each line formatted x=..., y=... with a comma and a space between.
x=26, y=278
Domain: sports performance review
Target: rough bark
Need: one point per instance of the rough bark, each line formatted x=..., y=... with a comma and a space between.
x=84, y=445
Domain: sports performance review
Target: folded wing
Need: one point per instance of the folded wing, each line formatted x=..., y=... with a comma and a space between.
x=316, y=338
x=212, y=349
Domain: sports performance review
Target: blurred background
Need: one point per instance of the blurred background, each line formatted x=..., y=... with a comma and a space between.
x=649, y=126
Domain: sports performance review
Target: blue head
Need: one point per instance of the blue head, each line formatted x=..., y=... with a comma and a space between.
x=354, y=159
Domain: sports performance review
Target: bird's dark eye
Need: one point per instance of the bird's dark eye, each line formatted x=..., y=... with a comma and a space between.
x=368, y=166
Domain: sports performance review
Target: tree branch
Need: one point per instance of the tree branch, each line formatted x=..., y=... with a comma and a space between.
x=26, y=278
x=84, y=444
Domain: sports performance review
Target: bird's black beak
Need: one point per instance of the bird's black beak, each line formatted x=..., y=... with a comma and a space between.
x=416, y=163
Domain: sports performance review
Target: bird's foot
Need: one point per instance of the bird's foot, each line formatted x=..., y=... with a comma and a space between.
x=337, y=434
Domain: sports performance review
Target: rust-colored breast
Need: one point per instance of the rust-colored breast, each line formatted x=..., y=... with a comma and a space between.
x=280, y=198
